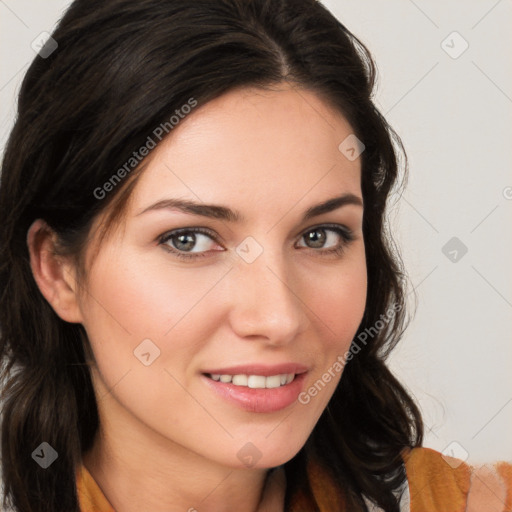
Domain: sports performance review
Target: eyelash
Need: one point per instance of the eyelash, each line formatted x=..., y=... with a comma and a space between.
x=345, y=233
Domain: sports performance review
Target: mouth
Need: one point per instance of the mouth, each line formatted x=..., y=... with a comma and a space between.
x=257, y=388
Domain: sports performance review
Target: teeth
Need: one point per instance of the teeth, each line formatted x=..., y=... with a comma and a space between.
x=255, y=381
x=239, y=380
x=273, y=381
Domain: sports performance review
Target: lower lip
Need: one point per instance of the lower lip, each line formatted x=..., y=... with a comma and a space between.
x=259, y=399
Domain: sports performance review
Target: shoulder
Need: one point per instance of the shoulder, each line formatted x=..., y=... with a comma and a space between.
x=438, y=483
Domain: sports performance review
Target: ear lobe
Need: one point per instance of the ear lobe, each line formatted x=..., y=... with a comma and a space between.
x=55, y=276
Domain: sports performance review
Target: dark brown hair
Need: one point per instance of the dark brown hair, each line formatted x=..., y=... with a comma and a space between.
x=121, y=69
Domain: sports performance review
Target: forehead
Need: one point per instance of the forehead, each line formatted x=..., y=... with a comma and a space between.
x=250, y=149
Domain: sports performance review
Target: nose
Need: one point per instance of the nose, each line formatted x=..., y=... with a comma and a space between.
x=265, y=301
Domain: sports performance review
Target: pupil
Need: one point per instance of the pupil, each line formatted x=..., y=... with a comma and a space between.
x=190, y=243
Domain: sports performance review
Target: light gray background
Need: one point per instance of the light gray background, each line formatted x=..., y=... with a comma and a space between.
x=455, y=118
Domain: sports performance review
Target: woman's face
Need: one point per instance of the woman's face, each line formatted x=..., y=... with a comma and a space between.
x=274, y=295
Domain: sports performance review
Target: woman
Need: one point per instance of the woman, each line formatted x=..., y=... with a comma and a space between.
x=198, y=291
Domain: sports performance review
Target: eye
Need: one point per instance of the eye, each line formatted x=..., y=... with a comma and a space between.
x=184, y=240
x=192, y=243
x=336, y=237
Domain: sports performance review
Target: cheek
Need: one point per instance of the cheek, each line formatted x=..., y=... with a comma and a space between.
x=341, y=299
x=132, y=299
x=146, y=321
x=144, y=297
x=342, y=305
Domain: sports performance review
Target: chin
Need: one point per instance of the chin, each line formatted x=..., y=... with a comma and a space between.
x=268, y=453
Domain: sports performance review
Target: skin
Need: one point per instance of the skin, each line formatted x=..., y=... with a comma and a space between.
x=166, y=441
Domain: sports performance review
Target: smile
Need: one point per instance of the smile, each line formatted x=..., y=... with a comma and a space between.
x=255, y=393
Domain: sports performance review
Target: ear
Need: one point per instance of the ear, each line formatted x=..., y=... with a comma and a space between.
x=54, y=275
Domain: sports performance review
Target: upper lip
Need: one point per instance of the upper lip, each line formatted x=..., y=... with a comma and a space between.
x=259, y=369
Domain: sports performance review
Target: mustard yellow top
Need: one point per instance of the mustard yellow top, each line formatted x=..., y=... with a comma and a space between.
x=436, y=483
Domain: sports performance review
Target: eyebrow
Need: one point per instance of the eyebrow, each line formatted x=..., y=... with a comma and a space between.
x=223, y=213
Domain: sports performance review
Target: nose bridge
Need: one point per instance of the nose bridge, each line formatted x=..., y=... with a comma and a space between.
x=265, y=302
